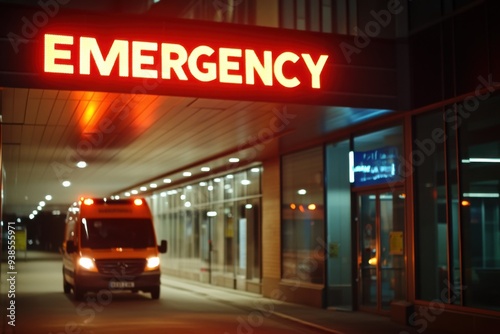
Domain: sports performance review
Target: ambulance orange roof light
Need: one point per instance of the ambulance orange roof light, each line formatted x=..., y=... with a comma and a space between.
x=88, y=201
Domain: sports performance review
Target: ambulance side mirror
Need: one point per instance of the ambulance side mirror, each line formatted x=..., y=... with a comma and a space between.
x=162, y=248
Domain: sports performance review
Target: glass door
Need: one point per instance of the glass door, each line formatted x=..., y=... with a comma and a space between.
x=380, y=221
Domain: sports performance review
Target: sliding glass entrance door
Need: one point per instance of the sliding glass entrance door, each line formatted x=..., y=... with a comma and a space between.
x=380, y=221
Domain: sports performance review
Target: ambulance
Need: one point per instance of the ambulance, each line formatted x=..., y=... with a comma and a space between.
x=110, y=244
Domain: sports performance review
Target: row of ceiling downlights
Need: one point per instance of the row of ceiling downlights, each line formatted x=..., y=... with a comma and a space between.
x=153, y=186
x=83, y=164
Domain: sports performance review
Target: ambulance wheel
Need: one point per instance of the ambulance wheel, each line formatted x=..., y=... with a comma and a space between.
x=155, y=292
x=66, y=285
x=79, y=293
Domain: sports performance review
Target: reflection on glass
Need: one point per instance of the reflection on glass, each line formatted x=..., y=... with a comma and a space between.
x=208, y=240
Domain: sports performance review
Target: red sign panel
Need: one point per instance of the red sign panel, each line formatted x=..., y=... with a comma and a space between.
x=148, y=54
x=204, y=64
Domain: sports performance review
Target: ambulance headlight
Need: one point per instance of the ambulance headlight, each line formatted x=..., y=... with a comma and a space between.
x=153, y=263
x=87, y=263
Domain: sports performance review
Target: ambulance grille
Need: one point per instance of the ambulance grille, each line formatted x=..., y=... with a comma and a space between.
x=121, y=267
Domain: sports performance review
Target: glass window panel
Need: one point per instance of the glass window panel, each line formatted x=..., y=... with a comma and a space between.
x=326, y=12
x=430, y=207
x=303, y=216
x=240, y=184
x=218, y=247
x=230, y=231
x=480, y=202
x=453, y=234
x=251, y=216
x=340, y=17
x=229, y=192
x=353, y=17
x=253, y=176
x=218, y=189
x=287, y=14
x=301, y=14
x=314, y=15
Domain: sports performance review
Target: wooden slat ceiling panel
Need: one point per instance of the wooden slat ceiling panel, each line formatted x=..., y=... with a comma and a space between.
x=167, y=127
x=148, y=136
x=32, y=105
x=55, y=113
x=35, y=94
x=11, y=153
x=11, y=135
x=49, y=94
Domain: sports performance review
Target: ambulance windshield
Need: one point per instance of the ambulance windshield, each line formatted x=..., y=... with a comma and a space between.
x=117, y=232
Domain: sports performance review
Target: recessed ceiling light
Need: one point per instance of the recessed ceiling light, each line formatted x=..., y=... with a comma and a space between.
x=81, y=164
x=134, y=192
x=143, y=188
x=167, y=180
x=187, y=174
x=42, y=203
x=255, y=170
x=48, y=197
x=302, y=192
x=205, y=169
x=127, y=194
x=234, y=160
x=66, y=183
x=153, y=185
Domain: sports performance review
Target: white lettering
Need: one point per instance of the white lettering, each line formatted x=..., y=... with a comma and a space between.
x=119, y=49
x=152, y=60
x=168, y=64
x=253, y=65
x=51, y=54
x=225, y=65
x=139, y=59
x=211, y=69
x=315, y=69
x=278, y=69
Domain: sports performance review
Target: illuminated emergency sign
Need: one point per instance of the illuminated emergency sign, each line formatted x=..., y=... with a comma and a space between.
x=71, y=55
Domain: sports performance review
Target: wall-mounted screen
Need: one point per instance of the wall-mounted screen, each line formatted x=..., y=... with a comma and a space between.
x=374, y=167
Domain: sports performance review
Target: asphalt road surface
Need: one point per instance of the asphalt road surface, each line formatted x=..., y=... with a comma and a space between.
x=42, y=307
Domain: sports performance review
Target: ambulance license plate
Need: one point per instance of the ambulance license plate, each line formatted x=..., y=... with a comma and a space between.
x=121, y=285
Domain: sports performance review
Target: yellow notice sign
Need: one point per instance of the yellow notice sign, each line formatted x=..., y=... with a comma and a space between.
x=396, y=243
x=21, y=240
